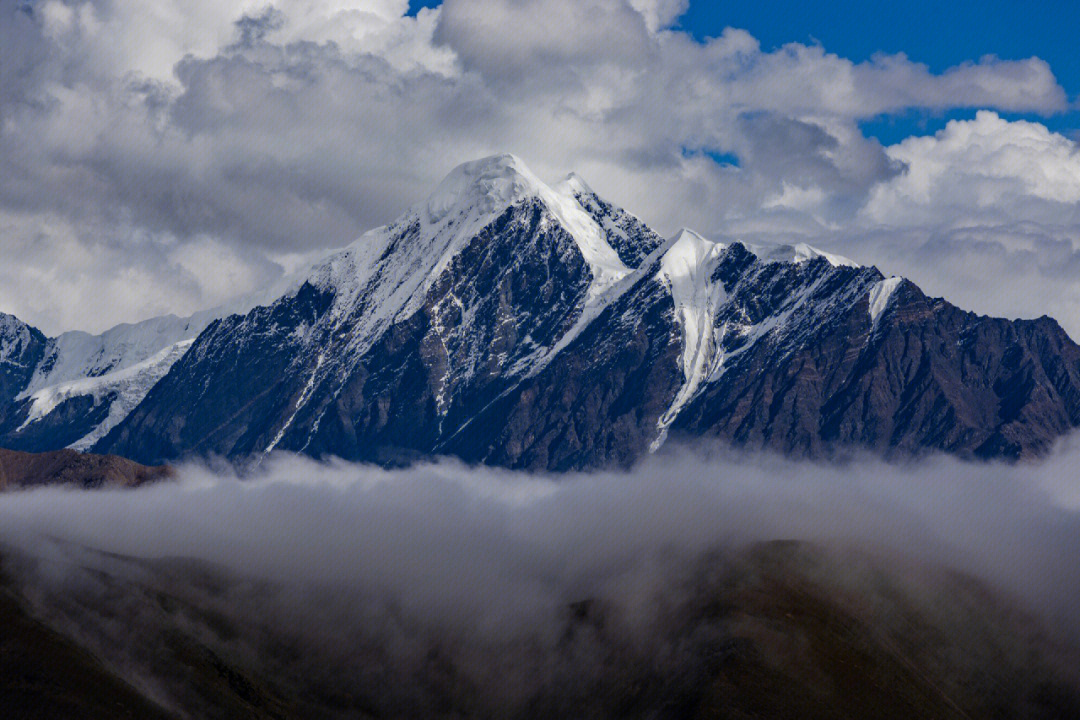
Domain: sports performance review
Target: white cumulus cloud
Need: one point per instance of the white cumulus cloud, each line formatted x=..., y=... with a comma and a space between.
x=138, y=139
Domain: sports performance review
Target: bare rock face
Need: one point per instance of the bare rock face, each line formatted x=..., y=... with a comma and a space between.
x=922, y=376
x=511, y=323
x=68, y=467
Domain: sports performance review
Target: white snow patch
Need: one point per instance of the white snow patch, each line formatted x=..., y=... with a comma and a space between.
x=685, y=269
x=880, y=295
x=573, y=184
x=78, y=355
x=127, y=386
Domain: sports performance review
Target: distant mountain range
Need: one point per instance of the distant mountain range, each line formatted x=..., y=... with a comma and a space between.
x=511, y=323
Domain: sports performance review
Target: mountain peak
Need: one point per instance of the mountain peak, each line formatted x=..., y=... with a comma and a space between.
x=573, y=185
x=508, y=322
x=797, y=253
x=474, y=193
x=686, y=235
x=15, y=336
x=485, y=184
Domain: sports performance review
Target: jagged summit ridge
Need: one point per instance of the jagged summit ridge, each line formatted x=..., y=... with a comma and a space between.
x=573, y=185
x=386, y=275
x=409, y=253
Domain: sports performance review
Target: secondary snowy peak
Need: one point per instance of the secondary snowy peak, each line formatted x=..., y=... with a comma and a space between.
x=631, y=239
x=798, y=253
x=122, y=389
x=687, y=240
x=77, y=355
x=573, y=185
x=107, y=375
x=729, y=297
x=104, y=375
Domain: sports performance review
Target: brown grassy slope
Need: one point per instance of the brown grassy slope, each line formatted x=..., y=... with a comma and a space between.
x=68, y=467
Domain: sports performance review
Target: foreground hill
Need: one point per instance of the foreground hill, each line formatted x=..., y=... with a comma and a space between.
x=69, y=467
x=772, y=631
x=509, y=322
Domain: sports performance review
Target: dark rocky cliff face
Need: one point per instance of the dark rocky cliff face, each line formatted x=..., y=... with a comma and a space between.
x=597, y=403
x=928, y=377
x=241, y=369
x=632, y=239
x=509, y=296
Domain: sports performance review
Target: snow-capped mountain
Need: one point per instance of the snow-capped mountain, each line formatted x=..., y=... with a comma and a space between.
x=70, y=390
x=469, y=291
x=510, y=322
x=84, y=384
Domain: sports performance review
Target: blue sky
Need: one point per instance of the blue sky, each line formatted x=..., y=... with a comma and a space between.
x=939, y=34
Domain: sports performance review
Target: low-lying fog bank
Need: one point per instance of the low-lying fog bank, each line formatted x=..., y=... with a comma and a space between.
x=326, y=589
x=452, y=539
